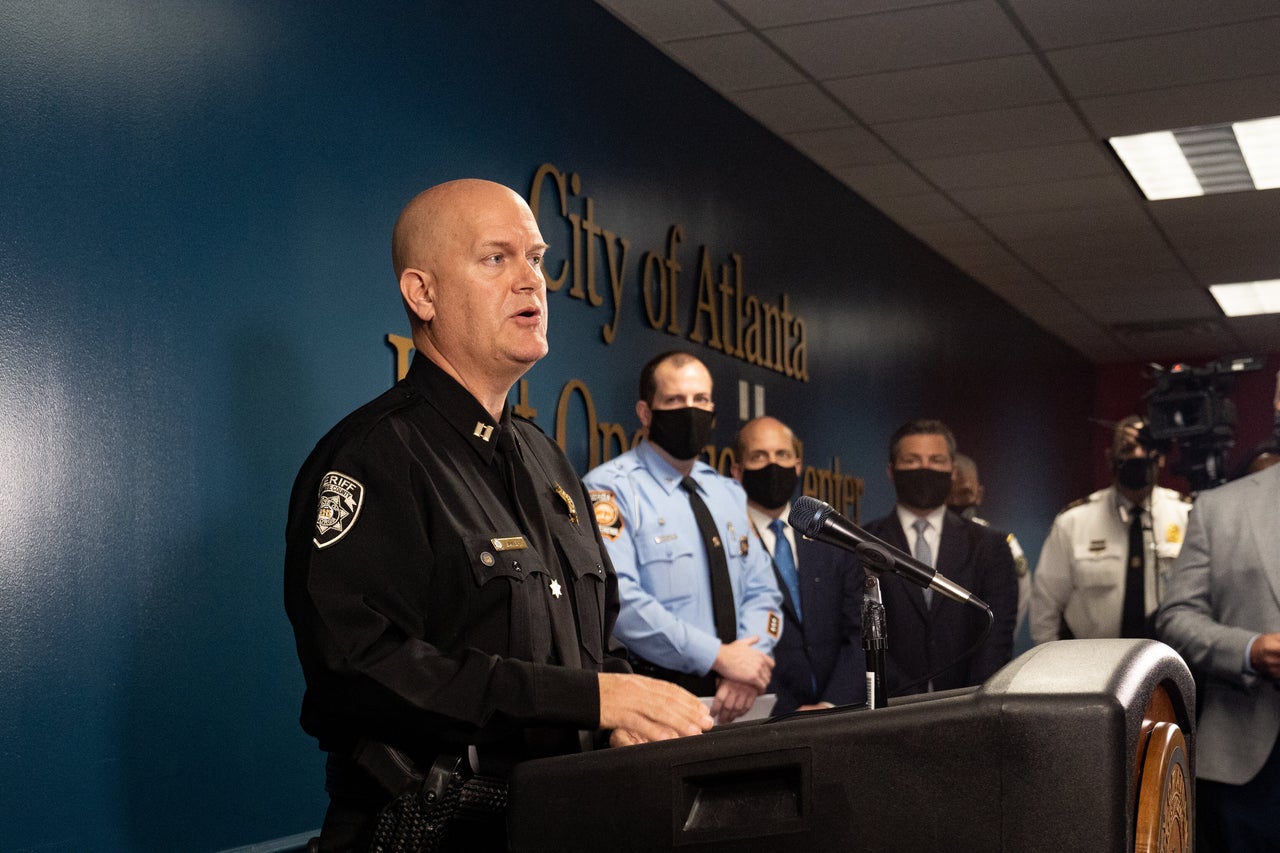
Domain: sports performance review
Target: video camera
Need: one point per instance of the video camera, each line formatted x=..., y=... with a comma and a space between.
x=1189, y=406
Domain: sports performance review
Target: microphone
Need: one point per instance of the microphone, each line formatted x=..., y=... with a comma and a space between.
x=819, y=520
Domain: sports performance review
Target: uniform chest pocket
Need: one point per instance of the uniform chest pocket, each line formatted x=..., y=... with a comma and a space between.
x=665, y=565
x=1098, y=568
x=585, y=570
x=492, y=559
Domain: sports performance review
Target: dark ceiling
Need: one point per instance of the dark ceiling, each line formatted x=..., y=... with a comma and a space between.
x=981, y=125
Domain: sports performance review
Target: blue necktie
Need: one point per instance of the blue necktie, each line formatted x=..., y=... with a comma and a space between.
x=786, y=562
x=923, y=553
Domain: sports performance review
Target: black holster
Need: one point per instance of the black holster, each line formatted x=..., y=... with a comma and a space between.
x=425, y=805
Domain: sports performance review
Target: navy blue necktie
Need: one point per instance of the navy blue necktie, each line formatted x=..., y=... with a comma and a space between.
x=786, y=562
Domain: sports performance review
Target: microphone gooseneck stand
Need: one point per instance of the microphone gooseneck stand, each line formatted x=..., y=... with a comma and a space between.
x=874, y=640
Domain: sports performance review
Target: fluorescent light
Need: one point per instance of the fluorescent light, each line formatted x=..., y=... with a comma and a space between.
x=1260, y=144
x=1248, y=297
x=1211, y=158
x=1156, y=162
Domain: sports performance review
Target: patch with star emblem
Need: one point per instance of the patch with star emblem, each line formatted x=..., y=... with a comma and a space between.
x=340, y=499
x=605, y=507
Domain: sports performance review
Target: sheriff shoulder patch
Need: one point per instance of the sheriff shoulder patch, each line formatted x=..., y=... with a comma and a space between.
x=605, y=507
x=340, y=499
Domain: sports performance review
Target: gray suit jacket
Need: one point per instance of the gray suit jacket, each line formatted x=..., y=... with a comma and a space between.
x=1223, y=590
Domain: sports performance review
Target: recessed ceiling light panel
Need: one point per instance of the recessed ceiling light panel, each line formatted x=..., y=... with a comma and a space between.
x=1248, y=297
x=1193, y=161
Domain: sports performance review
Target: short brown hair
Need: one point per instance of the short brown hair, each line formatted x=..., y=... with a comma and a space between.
x=921, y=426
x=649, y=385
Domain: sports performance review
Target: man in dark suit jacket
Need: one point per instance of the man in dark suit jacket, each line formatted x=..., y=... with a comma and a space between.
x=927, y=631
x=819, y=659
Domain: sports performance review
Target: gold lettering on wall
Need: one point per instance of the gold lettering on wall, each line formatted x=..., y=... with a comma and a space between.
x=842, y=491
x=723, y=316
x=404, y=348
x=582, y=264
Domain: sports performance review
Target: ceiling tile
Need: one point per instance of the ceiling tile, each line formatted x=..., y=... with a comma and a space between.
x=988, y=84
x=1057, y=23
x=1053, y=195
x=916, y=209
x=1182, y=341
x=997, y=130
x=908, y=38
x=883, y=179
x=1071, y=222
x=1179, y=59
x=1258, y=334
x=733, y=62
x=771, y=13
x=1234, y=259
x=786, y=109
x=842, y=146
x=960, y=238
x=1120, y=305
x=1019, y=166
x=1183, y=106
x=1225, y=213
x=1154, y=282
x=663, y=20
x=1069, y=258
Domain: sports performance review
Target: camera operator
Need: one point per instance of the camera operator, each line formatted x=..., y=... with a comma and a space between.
x=1102, y=564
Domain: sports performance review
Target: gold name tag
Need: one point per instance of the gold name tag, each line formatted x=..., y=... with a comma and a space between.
x=510, y=543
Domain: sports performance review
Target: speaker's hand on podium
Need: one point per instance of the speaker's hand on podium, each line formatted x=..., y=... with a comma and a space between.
x=641, y=709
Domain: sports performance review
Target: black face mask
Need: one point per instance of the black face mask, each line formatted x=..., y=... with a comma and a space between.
x=1135, y=473
x=681, y=432
x=922, y=488
x=770, y=486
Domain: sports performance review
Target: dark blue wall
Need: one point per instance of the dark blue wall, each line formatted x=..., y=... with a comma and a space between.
x=194, y=284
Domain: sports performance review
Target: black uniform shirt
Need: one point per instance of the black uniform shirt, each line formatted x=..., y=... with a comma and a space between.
x=424, y=615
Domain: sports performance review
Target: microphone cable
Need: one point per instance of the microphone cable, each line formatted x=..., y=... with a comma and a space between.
x=969, y=652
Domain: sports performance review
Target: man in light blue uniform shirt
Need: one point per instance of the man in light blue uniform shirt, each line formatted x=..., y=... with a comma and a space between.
x=650, y=529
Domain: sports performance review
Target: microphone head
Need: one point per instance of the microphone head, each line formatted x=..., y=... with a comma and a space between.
x=807, y=515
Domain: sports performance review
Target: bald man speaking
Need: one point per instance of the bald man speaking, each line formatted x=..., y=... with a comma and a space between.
x=451, y=600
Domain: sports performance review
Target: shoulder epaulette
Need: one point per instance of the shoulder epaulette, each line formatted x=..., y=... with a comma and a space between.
x=528, y=421
x=1076, y=503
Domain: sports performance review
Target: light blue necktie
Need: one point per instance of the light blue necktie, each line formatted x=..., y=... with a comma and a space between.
x=786, y=562
x=924, y=553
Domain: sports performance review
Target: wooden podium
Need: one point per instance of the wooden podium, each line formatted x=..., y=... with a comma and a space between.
x=1078, y=745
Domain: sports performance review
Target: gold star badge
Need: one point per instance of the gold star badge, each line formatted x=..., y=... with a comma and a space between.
x=555, y=588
